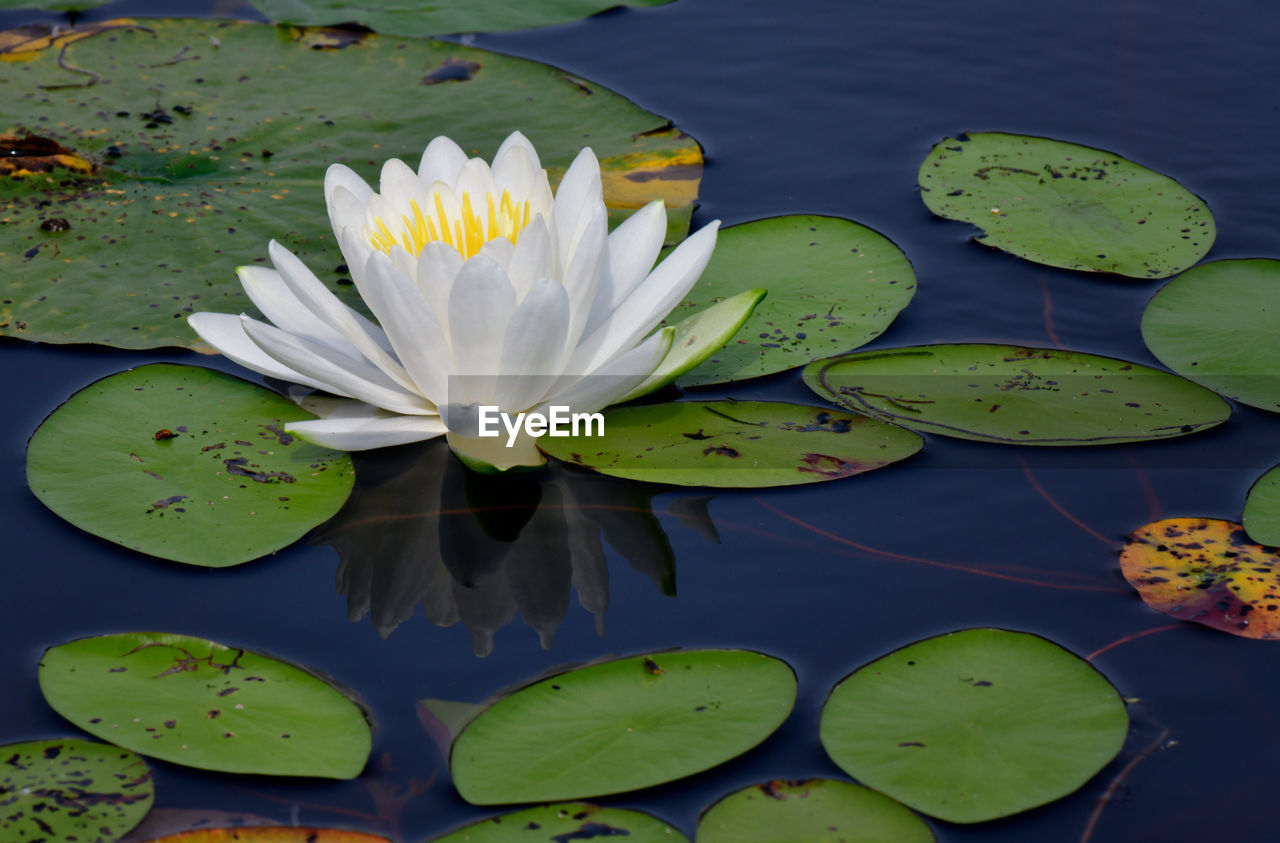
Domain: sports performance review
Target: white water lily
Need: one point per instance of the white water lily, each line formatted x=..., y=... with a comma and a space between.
x=487, y=289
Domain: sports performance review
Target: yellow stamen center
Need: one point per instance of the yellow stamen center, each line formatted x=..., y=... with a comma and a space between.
x=467, y=232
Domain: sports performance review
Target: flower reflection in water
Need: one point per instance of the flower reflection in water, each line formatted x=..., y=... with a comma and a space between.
x=479, y=549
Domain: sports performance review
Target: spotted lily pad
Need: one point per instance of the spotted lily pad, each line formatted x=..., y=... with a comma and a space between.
x=743, y=444
x=974, y=725
x=565, y=822
x=833, y=285
x=270, y=834
x=1066, y=205
x=194, y=465
x=202, y=704
x=815, y=809
x=71, y=789
x=198, y=148
x=1208, y=571
x=1016, y=395
x=434, y=17
x=1219, y=325
x=621, y=725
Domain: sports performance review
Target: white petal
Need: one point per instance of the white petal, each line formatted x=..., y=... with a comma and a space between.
x=441, y=161
x=514, y=169
x=532, y=259
x=533, y=348
x=652, y=300
x=399, y=186
x=225, y=332
x=414, y=330
x=475, y=180
x=315, y=297
x=438, y=266
x=376, y=430
x=516, y=141
x=499, y=250
x=633, y=247
x=582, y=274
x=341, y=177
x=345, y=210
x=480, y=306
x=576, y=196
x=333, y=371
x=616, y=378
x=269, y=293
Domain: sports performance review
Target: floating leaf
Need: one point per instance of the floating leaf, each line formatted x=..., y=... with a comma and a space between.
x=565, y=822
x=1262, y=509
x=71, y=789
x=816, y=809
x=1066, y=205
x=434, y=17
x=1016, y=395
x=221, y=163
x=166, y=821
x=621, y=725
x=185, y=463
x=1219, y=325
x=201, y=704
x=833, y=285
x=1208, y=571
x=743, y=444
x=974, y=725
x=270, y=834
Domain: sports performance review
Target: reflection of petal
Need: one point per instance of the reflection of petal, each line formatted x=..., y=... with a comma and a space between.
x=586, y=556
x=538, y=568
x=692, y=513
x=485, y=609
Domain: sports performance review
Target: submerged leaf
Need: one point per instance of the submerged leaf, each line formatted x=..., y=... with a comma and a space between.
x=1016, y=395
x=1218, y=324
x=194, y=465
x=221, y=163
x=201, y=704
x=71, y=789
x=1208, y=571
x=621, y=725
x=742, y=444
x=974, y=725
x=1067, y=205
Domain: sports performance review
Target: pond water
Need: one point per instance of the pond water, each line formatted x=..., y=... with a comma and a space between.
x=801, y=107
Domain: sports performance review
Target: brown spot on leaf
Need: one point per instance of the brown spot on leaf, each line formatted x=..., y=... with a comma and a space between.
x=452, y=70
x=28, y=154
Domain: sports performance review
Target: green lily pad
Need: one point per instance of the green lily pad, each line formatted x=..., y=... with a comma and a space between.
x=566, y=821
x=71, y=789
x=201, y=704
x=185, y=463
x=974, y=725
x=1219, y=325
x=1206, y=570
x=814, y=810
x=198, y=147
x=833, y=285
x=735, y=444
x=1016, y=395
x=1262, y=509
x=621, y=725
x=434, y=17
x=1066, y=205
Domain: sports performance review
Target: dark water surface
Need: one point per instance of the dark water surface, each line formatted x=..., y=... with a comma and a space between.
x=802, y=107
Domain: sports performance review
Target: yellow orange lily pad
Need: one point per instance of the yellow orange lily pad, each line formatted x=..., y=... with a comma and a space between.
x=1208, y=571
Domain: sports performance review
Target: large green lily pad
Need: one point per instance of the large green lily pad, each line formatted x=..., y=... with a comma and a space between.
x=833, y=285
x=1219, y=325
x=621, y=725
x=1016, y=395
x=1206, y=570
x=189, y=141
x=438, y=17
x=202, y=704
x=736, y=444
x=185, y=463
x=71, y=789
x=565, y=822
x=817, y=810
x=1067, y=205
x=975, y=725
x=1262, y=509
